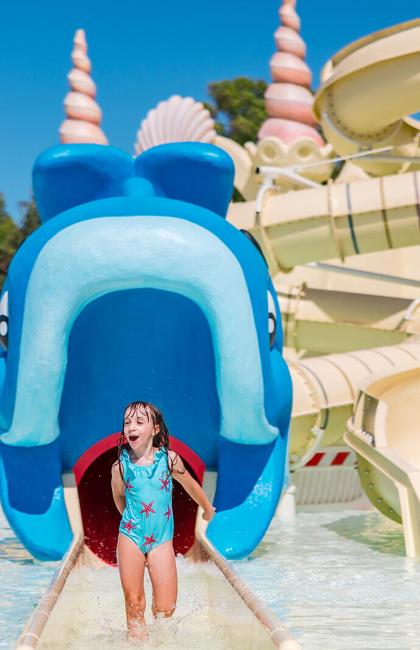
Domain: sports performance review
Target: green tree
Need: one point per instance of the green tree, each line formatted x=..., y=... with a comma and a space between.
x=238, y=107
x=12, y=235
x=8, y=235
x=30, y=218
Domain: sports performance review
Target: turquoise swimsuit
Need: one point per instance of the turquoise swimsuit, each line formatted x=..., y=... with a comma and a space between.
x=147, y=518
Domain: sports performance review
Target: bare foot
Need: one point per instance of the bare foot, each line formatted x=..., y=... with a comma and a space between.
x=137, y=632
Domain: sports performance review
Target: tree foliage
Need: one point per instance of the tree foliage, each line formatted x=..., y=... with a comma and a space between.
x=13, y=235
x=238, y=107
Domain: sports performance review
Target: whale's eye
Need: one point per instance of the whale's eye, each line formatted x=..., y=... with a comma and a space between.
x=272, y=320
x=4, y=320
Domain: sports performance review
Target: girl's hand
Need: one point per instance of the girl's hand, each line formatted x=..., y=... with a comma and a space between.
x=209, y=514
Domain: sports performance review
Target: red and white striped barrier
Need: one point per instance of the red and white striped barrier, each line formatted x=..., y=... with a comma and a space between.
x=332, y=457
x=328, y=477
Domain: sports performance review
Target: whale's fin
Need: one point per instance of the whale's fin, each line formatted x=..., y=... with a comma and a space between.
x=249, y=484
x=193, y=172
x=68, y=175
x=32, y=498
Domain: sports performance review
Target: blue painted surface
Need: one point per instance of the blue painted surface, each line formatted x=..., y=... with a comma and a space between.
x=136, y=287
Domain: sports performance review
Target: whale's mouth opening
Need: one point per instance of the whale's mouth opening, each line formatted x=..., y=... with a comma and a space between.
x=138, y=344
x=100, y=517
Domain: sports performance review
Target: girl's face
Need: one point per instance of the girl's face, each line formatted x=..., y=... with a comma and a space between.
x=139, y=427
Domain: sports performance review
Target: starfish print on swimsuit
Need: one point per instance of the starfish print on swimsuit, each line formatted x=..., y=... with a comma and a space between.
x=168, y=512
x=165, y=483
x=147, y=508
x=128, y=526
x=149, y=540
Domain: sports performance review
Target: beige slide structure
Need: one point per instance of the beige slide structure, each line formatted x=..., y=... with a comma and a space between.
x=369, y=88
x=333, y=221
x=385, y=434
x=325, y=390
x=322, y=321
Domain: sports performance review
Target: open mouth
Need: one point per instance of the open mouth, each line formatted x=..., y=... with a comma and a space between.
x=154, y=326
x=175, y=371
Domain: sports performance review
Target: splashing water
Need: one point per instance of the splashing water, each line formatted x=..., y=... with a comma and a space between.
x=90, y=613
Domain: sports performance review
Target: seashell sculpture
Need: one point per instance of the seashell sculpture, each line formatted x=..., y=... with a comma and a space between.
x=288, y=99
x=83, y=113
x=178, y=119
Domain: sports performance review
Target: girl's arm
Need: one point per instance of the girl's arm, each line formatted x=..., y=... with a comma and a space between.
x=190, y=485
x=118, y=488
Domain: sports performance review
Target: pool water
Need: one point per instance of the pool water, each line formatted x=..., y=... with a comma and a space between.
x=339, y=580
x=23, y=580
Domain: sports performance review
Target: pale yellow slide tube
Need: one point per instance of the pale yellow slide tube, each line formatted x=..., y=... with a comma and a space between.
x=368, y=90
x=384, y=432
x=333, y=221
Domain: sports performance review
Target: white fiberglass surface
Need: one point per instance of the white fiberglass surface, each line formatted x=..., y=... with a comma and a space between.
x=338, y=580
x=90, y=610
x=90, y=614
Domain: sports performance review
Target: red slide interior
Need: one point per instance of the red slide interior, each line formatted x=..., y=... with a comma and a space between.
x=100, y=516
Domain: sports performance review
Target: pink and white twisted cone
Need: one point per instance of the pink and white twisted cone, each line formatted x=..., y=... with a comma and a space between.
x=288, y=100
x=83, y=113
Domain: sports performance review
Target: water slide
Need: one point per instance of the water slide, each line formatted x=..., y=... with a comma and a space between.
x=83, y=605
x=226, y=398
x=322, y=321
x=368, y=89
x=325, y=389
x=384, y=433
x=333, y=221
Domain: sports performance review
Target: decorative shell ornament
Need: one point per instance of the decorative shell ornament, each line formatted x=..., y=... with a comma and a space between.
x=83, y=113
x=178, y=119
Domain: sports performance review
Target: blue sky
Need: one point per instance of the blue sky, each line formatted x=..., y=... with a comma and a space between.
x=143, y=52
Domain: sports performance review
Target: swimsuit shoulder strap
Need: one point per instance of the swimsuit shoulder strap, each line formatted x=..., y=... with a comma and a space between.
x=124, y=461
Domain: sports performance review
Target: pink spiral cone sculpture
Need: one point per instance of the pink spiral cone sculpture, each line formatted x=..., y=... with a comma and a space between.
x=83, y=113
x=288, y=100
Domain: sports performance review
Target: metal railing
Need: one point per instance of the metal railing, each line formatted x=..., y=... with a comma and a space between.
x=277, y=632
x=32, y=631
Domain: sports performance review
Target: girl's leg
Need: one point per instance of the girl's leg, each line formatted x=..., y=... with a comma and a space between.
x=161, y=565
x=131, y=562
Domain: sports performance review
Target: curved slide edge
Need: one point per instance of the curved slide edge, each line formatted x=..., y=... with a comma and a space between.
x=368, y=89
x=279, y=634
x=384, y=434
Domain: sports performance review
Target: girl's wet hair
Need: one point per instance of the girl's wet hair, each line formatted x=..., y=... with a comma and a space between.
x=160, y=439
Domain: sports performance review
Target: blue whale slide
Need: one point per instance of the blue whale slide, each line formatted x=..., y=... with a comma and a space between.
x=135, y=287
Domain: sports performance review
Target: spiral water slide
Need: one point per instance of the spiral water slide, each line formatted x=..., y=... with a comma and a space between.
x=368, y=90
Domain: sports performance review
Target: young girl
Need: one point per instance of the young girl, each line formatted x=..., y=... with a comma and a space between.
x=142, y=490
